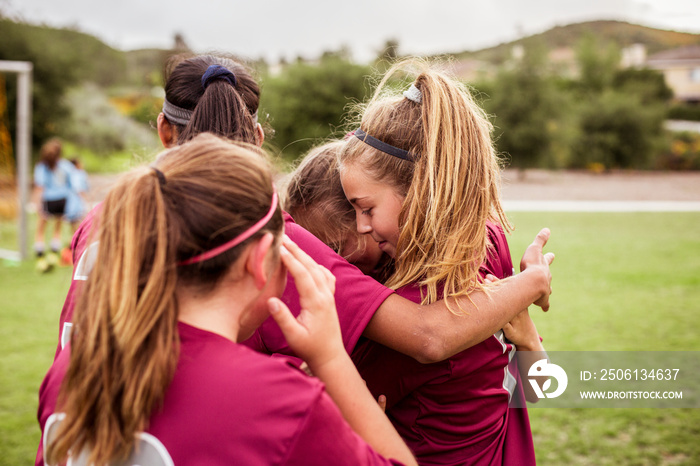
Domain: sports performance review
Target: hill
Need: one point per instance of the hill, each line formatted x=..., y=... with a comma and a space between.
x=81, y=55
x=621, y=33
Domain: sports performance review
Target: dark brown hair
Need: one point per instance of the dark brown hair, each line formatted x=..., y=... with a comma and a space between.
x=125, y=348
x=222, y=109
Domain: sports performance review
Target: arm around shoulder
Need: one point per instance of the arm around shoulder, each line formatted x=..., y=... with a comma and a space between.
x=432, y=333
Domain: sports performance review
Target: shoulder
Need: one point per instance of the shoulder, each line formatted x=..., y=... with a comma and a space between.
x=66, y=167
x=232, y=401
x=41, y=170
x=66, y=164
x=207, y=359
x=313, y=246
x=498, y=260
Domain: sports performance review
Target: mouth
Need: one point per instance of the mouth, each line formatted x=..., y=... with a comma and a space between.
x=385, y=247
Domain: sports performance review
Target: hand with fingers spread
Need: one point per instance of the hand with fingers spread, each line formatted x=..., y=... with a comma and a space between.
x=533, y=258
x=315, y=334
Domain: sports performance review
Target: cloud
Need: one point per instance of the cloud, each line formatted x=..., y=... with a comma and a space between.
x=279, y=28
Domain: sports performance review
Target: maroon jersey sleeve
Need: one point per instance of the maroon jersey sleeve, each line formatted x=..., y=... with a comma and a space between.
x=82, y=263
x=498, y=260
x=357, y=296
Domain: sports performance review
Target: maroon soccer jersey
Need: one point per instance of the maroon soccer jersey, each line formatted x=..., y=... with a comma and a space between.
x=455, y=411
x=230, y=405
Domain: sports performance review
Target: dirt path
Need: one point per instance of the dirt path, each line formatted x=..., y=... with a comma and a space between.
x=544, y=185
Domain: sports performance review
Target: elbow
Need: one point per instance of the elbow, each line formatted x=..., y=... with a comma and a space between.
x=432, y=350
x=438, y=343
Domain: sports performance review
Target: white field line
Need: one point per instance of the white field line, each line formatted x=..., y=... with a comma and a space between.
x=601, y=206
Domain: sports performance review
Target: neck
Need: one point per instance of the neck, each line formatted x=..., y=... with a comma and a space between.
x=219, y=311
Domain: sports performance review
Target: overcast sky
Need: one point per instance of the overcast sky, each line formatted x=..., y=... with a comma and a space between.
x=286, y=28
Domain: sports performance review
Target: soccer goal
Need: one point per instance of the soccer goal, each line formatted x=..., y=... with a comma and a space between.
x=18, y=180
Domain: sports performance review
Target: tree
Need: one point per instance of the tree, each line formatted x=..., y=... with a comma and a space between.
x=61, y=58
x=618, y=130
x=306, y=102
x=620, y=112
x=526, y=108
x=598, y=63
x=389, y=52
x=646, y=83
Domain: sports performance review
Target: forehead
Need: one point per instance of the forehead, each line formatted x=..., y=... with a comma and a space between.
x=357, y=182
x=361, y=188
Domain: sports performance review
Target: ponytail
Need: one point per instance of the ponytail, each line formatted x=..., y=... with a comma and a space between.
x=451, y=187
x=226, y=106
x=130, y=326
x=125, y=347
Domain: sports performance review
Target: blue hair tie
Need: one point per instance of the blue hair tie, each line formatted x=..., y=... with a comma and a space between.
x=215, y=72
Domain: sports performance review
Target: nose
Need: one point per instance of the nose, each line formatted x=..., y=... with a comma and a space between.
x=363, y=224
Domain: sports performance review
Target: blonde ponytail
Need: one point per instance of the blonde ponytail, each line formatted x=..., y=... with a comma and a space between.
x=451, y=189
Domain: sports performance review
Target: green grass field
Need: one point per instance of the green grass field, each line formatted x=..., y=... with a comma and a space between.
x=621, y=282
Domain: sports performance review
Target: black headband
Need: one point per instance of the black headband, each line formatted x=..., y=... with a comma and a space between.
x=383, y=146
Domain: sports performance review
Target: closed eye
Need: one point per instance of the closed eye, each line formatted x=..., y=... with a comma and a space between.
x=367, y=212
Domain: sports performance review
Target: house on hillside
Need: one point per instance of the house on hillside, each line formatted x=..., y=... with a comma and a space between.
x=471, y=70
x=681, y=68
x=563, y=61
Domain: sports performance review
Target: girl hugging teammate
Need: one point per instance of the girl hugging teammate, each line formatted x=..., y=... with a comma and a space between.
x=423, y=177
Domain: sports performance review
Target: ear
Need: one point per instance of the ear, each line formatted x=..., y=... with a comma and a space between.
x=166, y=131
x=256, y=260
x=261, y=135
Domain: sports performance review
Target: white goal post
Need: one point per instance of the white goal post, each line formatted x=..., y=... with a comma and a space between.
x=23, y=145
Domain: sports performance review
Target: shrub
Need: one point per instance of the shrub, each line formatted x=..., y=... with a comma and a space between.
x=682, y=152
x=306, y=102
x=97, y=125
x=617, y=131
x=684, y=112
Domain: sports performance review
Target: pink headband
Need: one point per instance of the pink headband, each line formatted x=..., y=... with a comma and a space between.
x=238, y=239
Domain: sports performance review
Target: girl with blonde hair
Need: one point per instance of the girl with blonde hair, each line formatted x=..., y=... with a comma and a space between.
x=189, y=266
x=423, y=176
